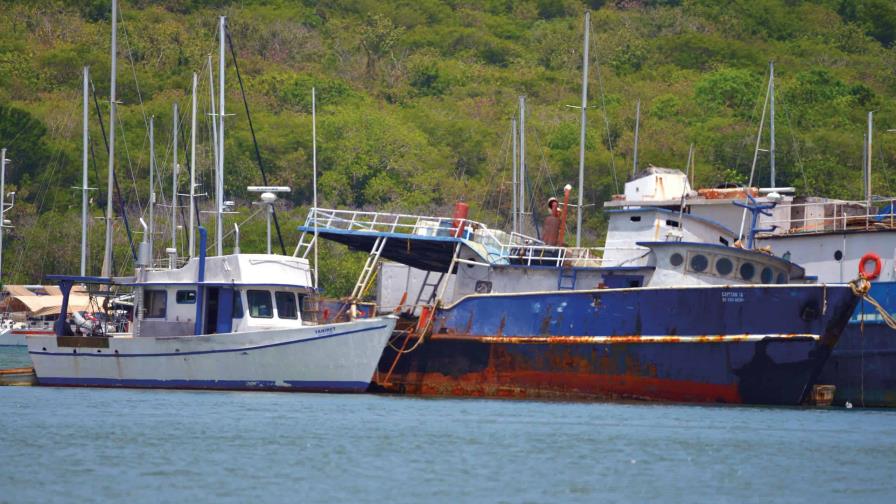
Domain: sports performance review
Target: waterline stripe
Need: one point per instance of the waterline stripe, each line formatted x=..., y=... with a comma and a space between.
x=297, y=385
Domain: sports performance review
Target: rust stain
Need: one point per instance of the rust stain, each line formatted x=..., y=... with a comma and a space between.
x=618, y=339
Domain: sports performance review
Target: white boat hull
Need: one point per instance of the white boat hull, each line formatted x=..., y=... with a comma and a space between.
x=329, y=358
x=9, y=337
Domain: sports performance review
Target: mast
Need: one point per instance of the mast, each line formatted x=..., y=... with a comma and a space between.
x=152, y=180
x=219, y=181
x=582, y=138
x=516, y=223
x=637, y=127
x=2, y=205
x=84, y=148
x=868, y=160
x=211, y=92
x=771, y=124
x=522, y=201
x=314, y=169
x=174, y=173
x=191, y=235
x=110, y=182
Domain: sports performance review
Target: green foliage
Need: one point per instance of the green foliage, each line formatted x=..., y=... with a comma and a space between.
x=415, y=98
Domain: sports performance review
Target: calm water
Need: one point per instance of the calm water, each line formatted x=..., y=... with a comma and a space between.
x=63, y=445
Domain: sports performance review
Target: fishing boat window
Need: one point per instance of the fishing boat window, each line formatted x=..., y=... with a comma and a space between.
x=673, y=223
x=676, y=259
x=260, y=304
x=237, y=305
x=635, y=218
x=747, y=271
x=724, y=266
x=838, y=255
x=186, y=297
x=723, y=241
x=154, y=302
x=782, y=278
x=766, y=275
x=286, y=305
x=699, y=263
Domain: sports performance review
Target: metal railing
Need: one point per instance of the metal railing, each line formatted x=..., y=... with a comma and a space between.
x=501, y=247
x=833, y=215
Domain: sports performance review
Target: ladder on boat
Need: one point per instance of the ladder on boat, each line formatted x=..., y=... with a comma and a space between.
x=425, y=296
x=369, y=267
x=566, y=279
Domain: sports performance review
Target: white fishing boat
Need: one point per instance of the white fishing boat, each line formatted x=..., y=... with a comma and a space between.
x=239, y=321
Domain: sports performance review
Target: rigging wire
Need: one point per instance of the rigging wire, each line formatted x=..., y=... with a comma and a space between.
x=264, y=177
x=603, y=106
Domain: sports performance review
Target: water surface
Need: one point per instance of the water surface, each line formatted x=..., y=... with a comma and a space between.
x=62, y=445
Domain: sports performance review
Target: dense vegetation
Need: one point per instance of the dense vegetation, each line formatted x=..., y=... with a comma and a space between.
x=415, y=99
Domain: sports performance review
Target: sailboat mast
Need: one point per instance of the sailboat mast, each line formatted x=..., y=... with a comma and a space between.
x=219, y=181
x=314, y=178
x=191, y=235
x=582, y=135
x=152, y=189
x=771, y=124
x=522, y=202
x=174, y=173
x=637, y=127
x=84, y=189
x=110, y=182
x=868, y=161
x=516, y=216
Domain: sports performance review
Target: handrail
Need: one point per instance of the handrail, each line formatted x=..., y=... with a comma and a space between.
x=835, y=215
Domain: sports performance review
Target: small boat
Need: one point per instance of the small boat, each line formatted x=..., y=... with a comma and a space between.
x=235, y=322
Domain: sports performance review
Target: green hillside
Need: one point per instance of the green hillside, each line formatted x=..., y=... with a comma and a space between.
x=415, y=99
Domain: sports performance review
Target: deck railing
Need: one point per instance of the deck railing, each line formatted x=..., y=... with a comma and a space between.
x=501, y=247
x=834, y=215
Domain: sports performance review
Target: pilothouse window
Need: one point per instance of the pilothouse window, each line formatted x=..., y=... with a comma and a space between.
x=186, y=297
x=260, y=305
x=154, y=302
x=286, y=305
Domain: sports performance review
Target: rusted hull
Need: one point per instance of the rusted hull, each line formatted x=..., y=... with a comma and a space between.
x=680, y=345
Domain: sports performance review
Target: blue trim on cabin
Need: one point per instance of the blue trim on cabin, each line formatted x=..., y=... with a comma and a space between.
x=204, y=352
x=674, y=212
x=82, y=279
x=297, y=385
x=200, y=292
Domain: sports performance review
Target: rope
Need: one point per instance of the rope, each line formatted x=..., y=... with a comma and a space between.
x=860, y=287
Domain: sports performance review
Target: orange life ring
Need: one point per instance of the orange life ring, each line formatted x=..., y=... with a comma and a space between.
x=870, y=256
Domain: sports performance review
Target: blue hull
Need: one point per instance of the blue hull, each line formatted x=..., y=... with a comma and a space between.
x=756, y=345
x=863, y=364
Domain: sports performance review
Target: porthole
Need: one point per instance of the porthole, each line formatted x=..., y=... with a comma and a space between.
x=724, y=266
x=782, y=278
x=747, y=271
x=767, y=275
x=838, y=255
x=699, y=263
x=676, y=259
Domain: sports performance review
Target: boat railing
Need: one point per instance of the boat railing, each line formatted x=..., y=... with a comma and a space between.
x=833, y=215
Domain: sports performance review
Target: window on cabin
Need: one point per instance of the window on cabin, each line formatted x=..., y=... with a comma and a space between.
x=635, y=218
x=676, y=259
x=723, y=241
x=782, y=278
x=724, y=266
x=260, y=305
x=286, y=305
x=186, y=297
x=766, y=275
x=747, y=271
x=154, y=303
x=237, y=305
x=699, y=263
x=673, y=223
